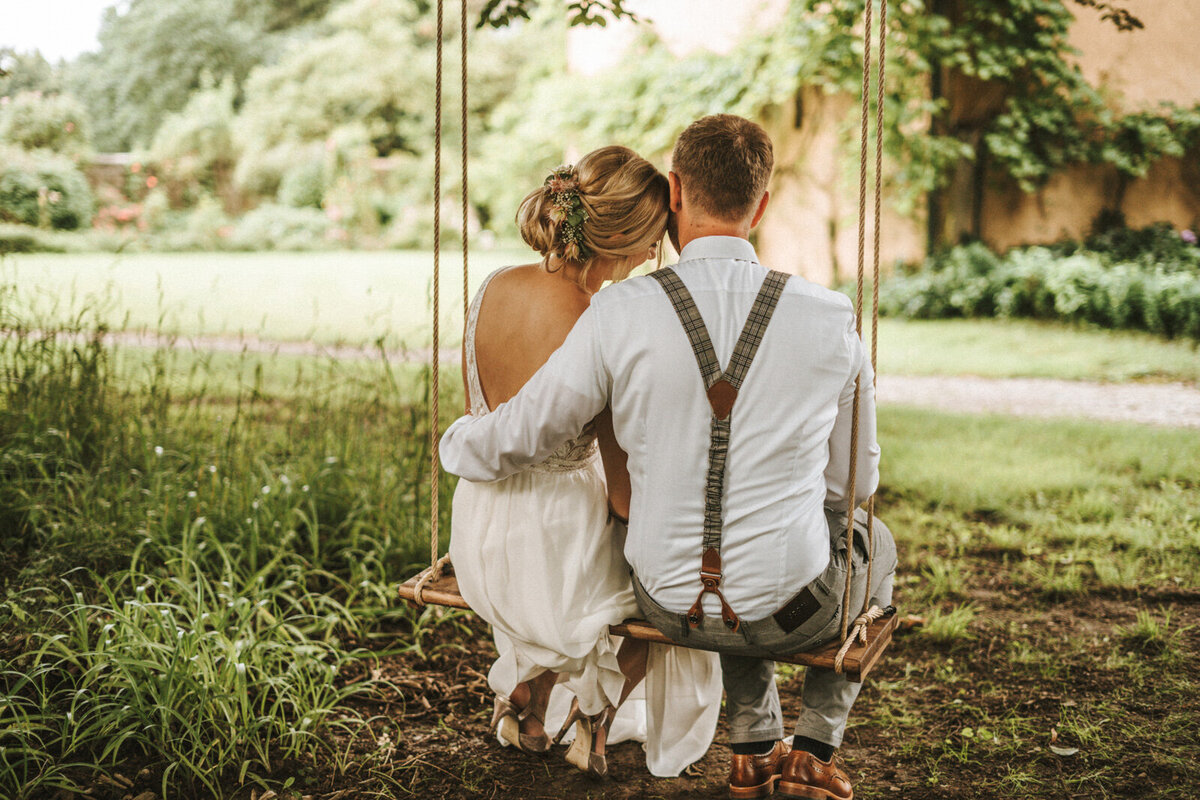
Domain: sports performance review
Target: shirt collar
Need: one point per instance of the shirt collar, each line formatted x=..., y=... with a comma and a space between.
x=726, y=247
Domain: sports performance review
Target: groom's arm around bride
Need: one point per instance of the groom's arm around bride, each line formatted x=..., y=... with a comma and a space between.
x=731, y=390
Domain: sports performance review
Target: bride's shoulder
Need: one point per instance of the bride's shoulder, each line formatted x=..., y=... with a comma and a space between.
x=528, y=292
x=512, y=274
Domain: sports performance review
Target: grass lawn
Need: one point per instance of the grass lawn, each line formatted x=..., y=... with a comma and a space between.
x=1058, y=566
x=360, y=298
x=1030, y=349
x=323, y=297
x=198, y=562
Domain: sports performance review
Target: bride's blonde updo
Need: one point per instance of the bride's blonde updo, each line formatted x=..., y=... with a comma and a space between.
x=613, y=203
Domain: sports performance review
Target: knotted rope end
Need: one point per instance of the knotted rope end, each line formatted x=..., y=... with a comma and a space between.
x=858, y=632
x=427, y=575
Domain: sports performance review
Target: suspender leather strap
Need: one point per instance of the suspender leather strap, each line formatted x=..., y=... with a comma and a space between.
x=721, y=387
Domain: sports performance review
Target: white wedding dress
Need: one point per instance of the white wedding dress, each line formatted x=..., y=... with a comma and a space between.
x=537, y=556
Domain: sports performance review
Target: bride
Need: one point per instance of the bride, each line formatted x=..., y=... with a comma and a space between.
x=539, y=554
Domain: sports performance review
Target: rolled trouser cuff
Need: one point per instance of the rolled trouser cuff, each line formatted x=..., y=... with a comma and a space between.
x=771, y=733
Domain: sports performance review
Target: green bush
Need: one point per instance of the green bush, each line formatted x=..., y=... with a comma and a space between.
x=1158, y=245
x=1043, y=283
x=303, y=186
x=259, y=171
x=195, y=145
x=43, y=189
x=18, y=239
x=275, y=227
x=34, y=121
x=24, y=239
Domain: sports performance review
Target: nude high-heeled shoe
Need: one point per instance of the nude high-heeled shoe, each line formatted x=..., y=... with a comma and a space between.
x=506, y=721
x=591, y=735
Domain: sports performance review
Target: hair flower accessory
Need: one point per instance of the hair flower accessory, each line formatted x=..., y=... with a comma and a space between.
x=567, y=212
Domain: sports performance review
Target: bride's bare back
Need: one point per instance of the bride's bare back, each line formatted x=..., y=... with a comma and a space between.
x=525, y=315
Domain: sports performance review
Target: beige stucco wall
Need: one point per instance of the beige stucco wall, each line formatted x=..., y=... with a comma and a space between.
x=1136, y=71
x=811, y=224
x=1139, y=69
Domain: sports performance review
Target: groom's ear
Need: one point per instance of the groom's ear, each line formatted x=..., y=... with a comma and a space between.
x=676, y=192
x=762, y=208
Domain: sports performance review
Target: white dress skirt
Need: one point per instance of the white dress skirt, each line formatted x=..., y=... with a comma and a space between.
x=537, y=556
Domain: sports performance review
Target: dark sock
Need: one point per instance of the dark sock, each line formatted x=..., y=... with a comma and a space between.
x=753, y=748
x=819, y=749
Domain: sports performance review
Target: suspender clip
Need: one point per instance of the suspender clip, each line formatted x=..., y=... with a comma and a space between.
x=710, y=578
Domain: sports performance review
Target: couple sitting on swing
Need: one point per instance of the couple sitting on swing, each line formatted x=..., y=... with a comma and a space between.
x=674, y=446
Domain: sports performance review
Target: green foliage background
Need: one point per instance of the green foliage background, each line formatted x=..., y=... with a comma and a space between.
x=227, y=97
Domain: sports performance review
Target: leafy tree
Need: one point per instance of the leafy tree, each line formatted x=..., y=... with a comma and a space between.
x=34, y=121
x=498, y=13
x=361, y=88
x=275, y=16
x=153, y=56
x=359, y=71
x=22, y=71
x=194, y=146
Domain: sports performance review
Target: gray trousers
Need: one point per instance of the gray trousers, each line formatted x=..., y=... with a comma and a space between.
x=751, y=696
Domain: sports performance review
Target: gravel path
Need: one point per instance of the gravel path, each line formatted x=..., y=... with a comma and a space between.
x=1165, y=404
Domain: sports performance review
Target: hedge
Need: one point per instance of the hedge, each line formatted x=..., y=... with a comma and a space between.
x=1038, y=282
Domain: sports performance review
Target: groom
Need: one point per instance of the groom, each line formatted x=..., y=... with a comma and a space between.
x=731, y=389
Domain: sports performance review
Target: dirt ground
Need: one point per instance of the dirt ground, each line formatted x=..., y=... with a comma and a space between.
x=1047, y=698
x=1072, y=685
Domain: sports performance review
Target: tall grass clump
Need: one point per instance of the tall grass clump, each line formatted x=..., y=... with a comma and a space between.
x=191, y=553
x=210, y=676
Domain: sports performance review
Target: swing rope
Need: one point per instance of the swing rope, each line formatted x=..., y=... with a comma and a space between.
x=437, y=565
x=850, y=632
x=857, y=631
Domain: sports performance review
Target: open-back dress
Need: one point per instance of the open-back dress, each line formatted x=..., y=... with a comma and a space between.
x=537, y=556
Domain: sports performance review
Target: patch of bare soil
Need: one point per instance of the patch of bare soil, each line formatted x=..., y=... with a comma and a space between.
x=1047, y=698
x=1038, y=673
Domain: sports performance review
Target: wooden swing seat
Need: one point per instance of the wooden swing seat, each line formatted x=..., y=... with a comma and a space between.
x=858, y=662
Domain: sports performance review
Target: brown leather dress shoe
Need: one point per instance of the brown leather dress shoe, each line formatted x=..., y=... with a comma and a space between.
x=804, y=775
x=755, y=776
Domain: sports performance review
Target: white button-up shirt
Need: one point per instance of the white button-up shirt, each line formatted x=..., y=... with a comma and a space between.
x=789, y=450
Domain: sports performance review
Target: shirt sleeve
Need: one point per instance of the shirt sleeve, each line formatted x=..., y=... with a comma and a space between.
x=837, y=472
x=567, y=392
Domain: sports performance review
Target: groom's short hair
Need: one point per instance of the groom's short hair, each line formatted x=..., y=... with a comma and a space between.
x=724, y=162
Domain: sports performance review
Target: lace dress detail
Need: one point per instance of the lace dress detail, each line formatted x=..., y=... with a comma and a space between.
x=574, y=454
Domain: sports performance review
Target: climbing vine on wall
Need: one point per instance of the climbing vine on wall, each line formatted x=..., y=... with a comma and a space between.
x=1047, y=116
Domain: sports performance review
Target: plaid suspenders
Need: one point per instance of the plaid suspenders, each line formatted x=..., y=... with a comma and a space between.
x=721, y=387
